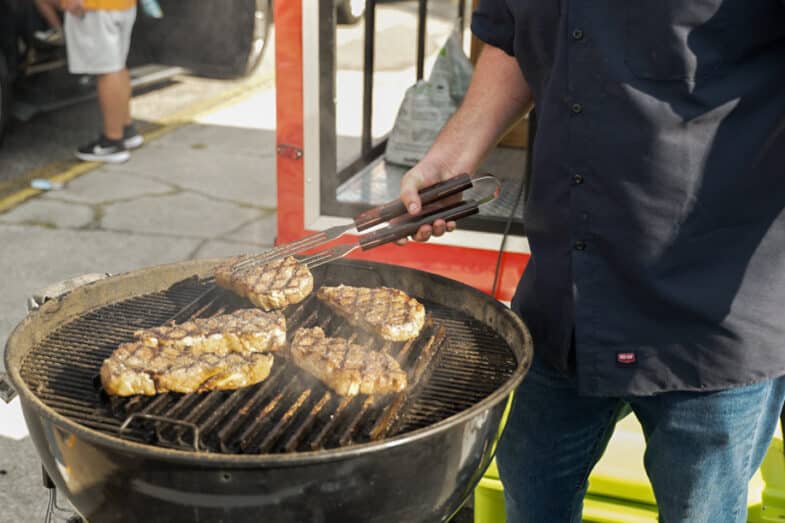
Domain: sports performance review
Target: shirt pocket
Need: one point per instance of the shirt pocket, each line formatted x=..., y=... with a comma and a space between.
x=675, y=39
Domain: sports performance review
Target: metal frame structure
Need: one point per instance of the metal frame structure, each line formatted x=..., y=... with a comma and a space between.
x=306, y=144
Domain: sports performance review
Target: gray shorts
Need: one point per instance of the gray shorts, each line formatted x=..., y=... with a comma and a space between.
x=98, y=42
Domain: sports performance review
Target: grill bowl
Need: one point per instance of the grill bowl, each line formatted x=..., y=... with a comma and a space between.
x=421, y=475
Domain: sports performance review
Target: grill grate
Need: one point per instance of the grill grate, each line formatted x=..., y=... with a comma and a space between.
x=454, y=363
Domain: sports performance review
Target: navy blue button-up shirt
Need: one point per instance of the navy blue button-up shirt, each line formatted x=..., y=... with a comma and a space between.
x=656, y=215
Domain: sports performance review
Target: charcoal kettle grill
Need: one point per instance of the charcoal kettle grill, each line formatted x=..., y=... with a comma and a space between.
x=287, y=449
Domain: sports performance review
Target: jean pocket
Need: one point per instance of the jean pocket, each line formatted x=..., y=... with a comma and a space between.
x=674, y=39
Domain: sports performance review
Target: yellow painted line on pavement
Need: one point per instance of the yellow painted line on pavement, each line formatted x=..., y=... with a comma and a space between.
x=20, y=195
x=16, y=191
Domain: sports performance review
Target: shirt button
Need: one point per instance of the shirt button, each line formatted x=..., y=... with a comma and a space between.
x=584, y=216
x=577, y=34
x=577, y=108
x=577, y=179
x=580, y=245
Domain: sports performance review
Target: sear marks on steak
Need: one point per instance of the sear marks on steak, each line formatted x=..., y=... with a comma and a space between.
x=390, y=313
x=245, y=330
x=135, y=368
x=224, y=352
x=347, y=368
x=273, y=285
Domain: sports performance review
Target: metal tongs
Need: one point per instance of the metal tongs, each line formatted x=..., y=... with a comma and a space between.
x=400, y=224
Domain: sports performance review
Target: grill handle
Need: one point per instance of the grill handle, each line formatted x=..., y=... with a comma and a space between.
x=7, y=390
x=62, y=288
x=395, y=208
x=409, y=225
x=163, y=419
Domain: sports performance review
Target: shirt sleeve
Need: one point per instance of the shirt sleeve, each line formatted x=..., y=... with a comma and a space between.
x=493, y=23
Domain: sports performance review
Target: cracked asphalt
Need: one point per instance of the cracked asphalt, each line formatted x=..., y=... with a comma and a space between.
x=203, y=191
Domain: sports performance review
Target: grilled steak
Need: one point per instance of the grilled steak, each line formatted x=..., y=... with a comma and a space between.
x=273, y=285
x=346, y=368
x=135, y=368
x=223, y=352
x=245, y=330
x=391, y=313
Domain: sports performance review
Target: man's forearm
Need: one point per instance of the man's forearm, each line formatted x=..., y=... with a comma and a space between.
x=497, y=96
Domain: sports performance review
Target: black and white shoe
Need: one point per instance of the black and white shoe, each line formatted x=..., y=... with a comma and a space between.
x=131, y=138
x=104, y=150
x=53, y=36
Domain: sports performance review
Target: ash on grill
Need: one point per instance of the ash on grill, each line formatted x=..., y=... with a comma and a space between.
x=290, y=411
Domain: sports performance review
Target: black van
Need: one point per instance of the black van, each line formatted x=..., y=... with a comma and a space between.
x=219, y=38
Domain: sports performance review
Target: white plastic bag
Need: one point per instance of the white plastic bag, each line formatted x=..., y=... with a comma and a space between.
x=428, y=105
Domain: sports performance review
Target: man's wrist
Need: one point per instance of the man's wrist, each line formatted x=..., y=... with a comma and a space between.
x=447, y=163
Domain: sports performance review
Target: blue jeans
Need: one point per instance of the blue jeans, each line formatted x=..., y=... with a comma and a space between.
x=702, y=448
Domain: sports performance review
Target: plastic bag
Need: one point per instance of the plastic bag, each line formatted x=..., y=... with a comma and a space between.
x=151, y=8
x=428, y=105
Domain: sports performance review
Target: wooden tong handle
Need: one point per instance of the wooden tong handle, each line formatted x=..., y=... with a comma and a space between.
x=395, y=208
x=408, y=228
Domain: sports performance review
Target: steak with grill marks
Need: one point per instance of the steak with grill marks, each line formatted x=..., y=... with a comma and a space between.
x=244, y=330
x=273, y=285
x=391, y=313
x=136, y=368
x=347, y=368
x=224, y=352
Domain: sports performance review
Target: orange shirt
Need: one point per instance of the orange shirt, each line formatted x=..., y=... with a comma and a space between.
x=109, y=5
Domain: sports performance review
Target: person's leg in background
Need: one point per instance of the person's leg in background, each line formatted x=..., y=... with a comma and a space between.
x=114, y=97
x=552, y=440
x=124, y=21
x=703, y=448
x=98, y=43
x=48, y=11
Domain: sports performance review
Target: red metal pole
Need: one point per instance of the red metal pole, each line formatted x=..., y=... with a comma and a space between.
x=289, y=118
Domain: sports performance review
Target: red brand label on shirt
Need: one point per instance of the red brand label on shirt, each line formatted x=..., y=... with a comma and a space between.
x=625, y=358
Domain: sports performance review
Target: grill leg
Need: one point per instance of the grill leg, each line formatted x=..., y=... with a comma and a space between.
x=49, y=484
x=47, y=481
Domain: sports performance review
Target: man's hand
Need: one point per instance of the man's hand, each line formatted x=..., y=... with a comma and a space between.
x=75, y=7
x=424, y=174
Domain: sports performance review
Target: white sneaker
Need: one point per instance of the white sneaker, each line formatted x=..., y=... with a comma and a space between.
x=131, y=138
x=50, y=36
